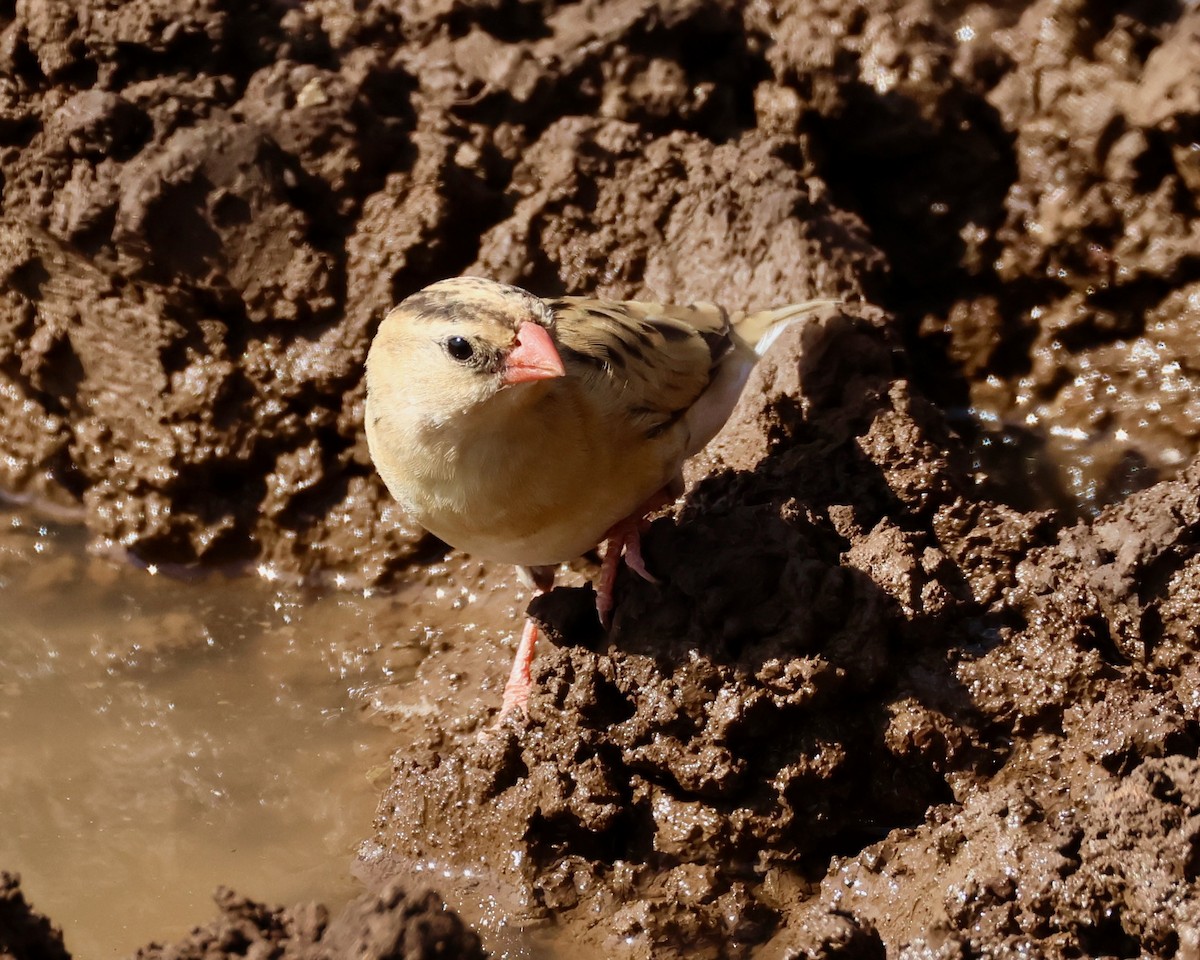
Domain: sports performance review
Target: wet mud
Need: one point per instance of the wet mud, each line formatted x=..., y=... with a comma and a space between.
x=386, y=923
x=23, y=931
x=919, y=679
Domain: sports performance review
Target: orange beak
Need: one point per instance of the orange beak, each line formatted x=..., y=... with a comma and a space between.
x=533, y=358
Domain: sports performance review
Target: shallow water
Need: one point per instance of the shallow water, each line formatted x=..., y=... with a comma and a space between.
x=159, y=738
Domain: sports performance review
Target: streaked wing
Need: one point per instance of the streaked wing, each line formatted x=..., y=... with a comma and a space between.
x=656, y=359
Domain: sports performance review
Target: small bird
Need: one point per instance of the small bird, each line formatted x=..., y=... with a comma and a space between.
x=527, y=430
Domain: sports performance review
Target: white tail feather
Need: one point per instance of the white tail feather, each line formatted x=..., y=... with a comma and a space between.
x=763, y=328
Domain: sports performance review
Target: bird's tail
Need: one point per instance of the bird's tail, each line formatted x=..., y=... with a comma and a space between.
x=762, y=328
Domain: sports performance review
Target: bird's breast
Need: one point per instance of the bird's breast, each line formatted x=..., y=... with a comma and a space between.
x=537, y=488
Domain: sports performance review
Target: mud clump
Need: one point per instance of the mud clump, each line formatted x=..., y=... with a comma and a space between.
x=180, y=331
x=885, y=700
x=1079, y=339
x=387, y=923
x=24, y=933
x=1075, y=843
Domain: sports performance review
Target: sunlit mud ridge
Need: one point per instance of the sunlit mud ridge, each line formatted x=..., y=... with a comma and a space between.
x=920, y=677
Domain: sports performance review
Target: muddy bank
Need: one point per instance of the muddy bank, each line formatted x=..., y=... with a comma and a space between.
x=865, y=711
x=383, y=924
x=387, y=923
x=885, y=701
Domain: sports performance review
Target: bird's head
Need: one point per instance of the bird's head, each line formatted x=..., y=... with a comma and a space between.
x=456, y=344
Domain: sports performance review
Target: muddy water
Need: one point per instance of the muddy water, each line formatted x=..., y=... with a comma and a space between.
x=159, y=737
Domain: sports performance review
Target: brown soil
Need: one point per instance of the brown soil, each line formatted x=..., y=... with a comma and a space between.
x=24, y=933
x=885, y=701
x=379, y=925
x=385, y=924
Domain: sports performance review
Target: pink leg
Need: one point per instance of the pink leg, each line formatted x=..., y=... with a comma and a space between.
x=520, y=683
x=608, y=578
x=624, y=538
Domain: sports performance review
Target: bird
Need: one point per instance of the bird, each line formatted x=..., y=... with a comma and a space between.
x=528, y=430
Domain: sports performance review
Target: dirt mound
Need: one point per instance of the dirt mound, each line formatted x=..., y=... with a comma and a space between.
x=977, y=733
x=958, y=716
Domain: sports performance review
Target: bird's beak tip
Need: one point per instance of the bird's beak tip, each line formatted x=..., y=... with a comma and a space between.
x=534, y=357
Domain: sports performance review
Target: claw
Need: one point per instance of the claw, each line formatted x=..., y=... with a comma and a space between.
x=633, y=555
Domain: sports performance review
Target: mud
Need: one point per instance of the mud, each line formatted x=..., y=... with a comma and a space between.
x=919, y=679
x=387, y=923
x=23, y=931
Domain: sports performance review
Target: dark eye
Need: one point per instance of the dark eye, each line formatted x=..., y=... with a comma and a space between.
x=460, y=349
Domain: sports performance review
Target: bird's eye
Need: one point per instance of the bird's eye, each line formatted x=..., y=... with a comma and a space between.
x=460, y=349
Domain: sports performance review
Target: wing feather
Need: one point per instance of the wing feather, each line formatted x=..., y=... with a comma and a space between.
x=656, y=360
x=663, y=365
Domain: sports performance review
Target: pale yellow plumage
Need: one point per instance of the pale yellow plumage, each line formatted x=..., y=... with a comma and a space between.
x=526, y=466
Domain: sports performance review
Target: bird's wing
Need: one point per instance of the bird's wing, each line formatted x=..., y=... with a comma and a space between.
x=763, y=327
x=653, y=361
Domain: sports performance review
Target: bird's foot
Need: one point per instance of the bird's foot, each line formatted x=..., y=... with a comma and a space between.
x=520, y=681
x=623, y=539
